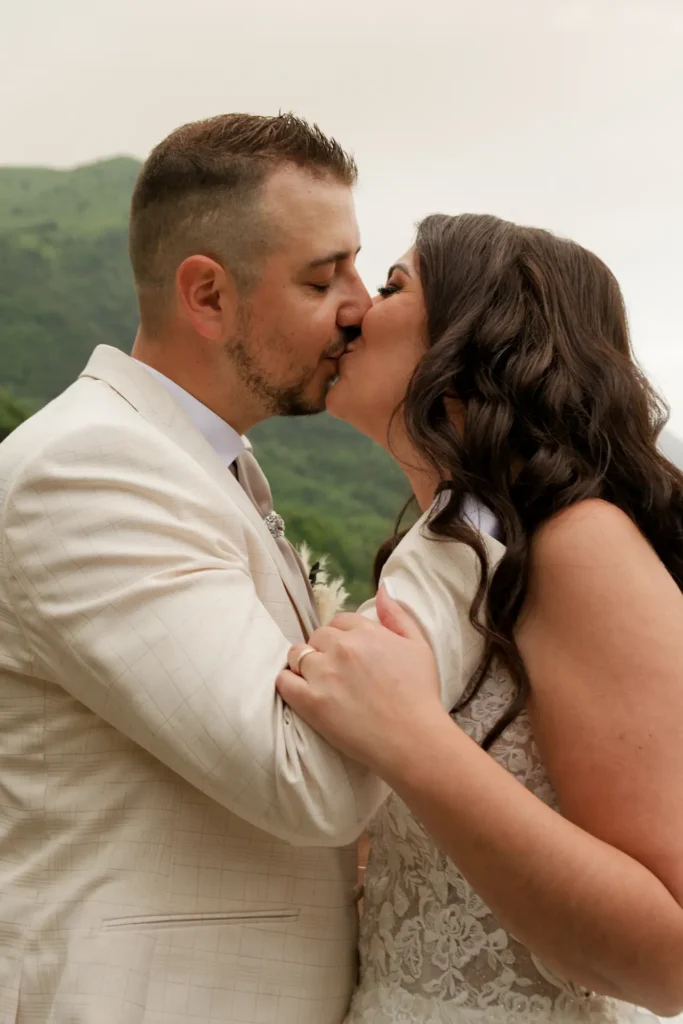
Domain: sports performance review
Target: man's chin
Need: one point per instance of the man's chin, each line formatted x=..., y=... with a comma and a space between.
x=301, y=407
x=334, y=399
x=301, y=403
x=314, y=400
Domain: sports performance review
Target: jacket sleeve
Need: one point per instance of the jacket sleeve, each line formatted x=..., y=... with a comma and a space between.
x=435, y=580
x=134, y=595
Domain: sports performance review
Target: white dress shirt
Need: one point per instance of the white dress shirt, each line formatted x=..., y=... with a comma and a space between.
x=223, y=438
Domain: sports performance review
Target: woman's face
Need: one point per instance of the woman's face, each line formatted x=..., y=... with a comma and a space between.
x=375, y=371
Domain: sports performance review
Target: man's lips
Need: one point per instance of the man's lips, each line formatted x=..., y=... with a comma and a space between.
x=346, y=346
x=337, y=354
x=338, y=358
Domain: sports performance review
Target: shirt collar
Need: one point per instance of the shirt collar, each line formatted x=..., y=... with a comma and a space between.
x=475, y=512
x=480, y=516
x=225, y=441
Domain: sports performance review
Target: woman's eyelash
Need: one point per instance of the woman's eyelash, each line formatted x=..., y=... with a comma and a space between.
x=385, y=290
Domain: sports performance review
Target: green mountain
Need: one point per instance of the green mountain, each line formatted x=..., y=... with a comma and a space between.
x=65, y=282
x=87, y=201
x=66, y=286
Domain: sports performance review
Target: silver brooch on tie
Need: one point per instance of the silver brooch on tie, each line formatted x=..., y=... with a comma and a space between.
x=275, y=524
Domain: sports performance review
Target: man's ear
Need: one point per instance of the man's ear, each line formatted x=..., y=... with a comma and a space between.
x=207, y=295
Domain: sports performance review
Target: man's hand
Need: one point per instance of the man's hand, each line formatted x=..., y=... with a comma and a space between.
x=366, y=684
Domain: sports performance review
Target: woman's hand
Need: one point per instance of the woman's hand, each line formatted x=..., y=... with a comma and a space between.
x=366, y=685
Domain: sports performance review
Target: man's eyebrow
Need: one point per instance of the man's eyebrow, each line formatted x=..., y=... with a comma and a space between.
x=398, y=266
x=334, y=257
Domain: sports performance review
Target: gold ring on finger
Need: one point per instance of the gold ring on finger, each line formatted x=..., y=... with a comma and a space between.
x=304, y=653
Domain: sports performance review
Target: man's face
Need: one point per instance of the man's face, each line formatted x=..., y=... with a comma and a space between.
x=308, y=300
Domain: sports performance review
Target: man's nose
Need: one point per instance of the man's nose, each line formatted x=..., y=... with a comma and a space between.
x=352, y=311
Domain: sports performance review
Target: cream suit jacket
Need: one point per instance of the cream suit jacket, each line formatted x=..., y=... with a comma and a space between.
x=174, y=842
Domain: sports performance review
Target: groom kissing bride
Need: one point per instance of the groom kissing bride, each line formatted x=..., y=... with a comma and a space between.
x=189, y=755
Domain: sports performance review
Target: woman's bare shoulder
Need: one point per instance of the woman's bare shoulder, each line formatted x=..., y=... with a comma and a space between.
x=591, y=530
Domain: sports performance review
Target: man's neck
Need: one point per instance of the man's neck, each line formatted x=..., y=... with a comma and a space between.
x=216, y=388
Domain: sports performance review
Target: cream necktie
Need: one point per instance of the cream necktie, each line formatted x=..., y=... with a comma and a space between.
x=255, y=485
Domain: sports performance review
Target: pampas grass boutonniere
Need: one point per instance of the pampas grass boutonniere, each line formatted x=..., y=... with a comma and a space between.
x=330, y=594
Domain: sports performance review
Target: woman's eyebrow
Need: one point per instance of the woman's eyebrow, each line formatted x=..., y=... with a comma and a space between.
x=398, y=266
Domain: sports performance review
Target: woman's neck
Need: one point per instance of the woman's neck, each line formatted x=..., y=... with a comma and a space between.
x=423, y=480
x=422, y=476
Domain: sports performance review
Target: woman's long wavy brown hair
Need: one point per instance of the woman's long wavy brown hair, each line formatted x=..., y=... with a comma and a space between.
x=529, y=332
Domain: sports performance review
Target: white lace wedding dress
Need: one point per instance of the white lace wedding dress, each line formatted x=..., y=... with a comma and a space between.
x=431, y=951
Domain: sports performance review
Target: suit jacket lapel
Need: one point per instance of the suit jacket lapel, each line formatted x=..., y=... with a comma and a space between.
x=149, y=397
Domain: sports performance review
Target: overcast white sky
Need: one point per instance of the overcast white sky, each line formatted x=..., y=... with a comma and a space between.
x=567, y=114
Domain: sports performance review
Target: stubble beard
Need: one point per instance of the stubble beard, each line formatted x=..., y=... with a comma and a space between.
x=275, y=399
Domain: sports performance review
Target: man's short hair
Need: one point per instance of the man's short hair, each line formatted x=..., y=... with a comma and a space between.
x=198, y=193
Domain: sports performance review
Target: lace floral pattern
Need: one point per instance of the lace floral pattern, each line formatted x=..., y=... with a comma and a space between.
x=431, y=950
